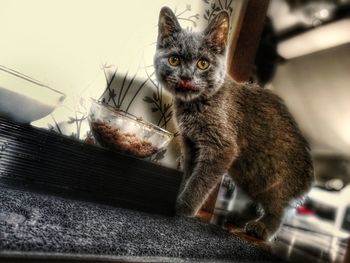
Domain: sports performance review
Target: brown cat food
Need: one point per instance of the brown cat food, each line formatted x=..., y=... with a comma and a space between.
x=114, y=138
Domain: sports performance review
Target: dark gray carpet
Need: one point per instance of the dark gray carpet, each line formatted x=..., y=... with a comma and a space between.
x=31, y=222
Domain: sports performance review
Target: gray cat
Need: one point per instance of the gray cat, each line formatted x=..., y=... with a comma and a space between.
x=228, y=127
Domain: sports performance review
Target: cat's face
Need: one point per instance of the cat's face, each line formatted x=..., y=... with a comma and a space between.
x=187, y=64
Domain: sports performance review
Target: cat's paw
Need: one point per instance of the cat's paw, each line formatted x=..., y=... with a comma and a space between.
x=257, y=229
x=184, y=209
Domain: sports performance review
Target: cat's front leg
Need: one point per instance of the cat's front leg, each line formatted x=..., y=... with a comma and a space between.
x=209, y=169
x=189, y=155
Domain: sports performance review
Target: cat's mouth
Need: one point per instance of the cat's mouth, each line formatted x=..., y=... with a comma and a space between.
x=185, y=90
x=185, y=86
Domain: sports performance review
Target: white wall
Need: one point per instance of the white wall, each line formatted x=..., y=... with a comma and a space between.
x=64, y=43
x=316, y=88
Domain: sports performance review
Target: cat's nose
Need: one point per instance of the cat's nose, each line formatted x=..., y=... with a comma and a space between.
x=186, y=77
x=186, y=74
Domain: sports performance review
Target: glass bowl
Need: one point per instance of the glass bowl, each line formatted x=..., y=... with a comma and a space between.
x=23, y=99
x=117, y=130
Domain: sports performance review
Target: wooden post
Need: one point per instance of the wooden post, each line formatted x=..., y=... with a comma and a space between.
x=347, y=255
x=245, y=41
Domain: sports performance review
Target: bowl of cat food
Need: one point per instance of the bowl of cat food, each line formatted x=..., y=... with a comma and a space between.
x=23, y=99
x=118, y=130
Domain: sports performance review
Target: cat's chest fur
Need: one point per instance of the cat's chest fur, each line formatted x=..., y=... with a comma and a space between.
x=199, y=120
x=191, y=119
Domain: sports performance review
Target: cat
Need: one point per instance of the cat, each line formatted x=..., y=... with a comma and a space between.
x=241, y=129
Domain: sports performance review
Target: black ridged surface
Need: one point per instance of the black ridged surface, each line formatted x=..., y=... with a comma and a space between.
x=45, y=161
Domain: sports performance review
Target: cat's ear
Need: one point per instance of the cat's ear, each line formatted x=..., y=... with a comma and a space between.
x=217, y=30
x=167, y=24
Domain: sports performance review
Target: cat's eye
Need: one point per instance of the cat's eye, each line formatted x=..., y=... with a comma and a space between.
x=202, y=64
x=174, y=60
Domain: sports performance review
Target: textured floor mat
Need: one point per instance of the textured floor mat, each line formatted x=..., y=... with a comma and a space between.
x=31, y=222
